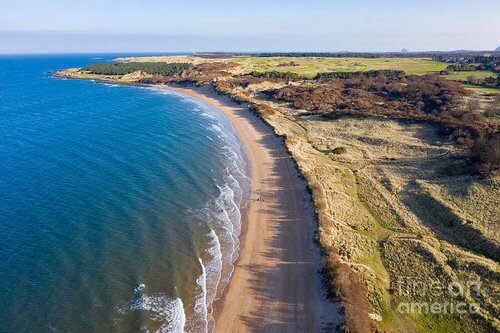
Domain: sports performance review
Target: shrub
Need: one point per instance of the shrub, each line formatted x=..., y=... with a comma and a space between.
x=423, y=98
x=492, y=113
x=486, y=152
x=275, y=74
x=472, y=105
x=473, y=79
x=288, y=64
x=262, y=109
x=461, y=67
x=350, y=75
x=339, y=150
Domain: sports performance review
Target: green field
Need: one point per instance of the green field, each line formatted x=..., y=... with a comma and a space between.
x=480, y=75
x=464, y=76
x=310, y=66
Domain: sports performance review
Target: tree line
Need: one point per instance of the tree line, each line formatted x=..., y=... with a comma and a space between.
x=471, y=62
x=122, y=68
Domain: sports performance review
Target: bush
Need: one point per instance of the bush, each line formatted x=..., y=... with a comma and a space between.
x=339, y=150
x=413, y=97
x=473, y=105
x=350, y=75
x=275, y=74
x=462, y=67
x=486, y=152
x=263, y=109
x=493, y=109
x=492, y=113
x=473, y=79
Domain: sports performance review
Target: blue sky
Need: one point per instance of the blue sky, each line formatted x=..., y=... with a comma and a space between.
x=30, y=26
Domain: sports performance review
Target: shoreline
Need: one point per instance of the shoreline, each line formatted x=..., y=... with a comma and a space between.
x=349, y=194
x=275, y=285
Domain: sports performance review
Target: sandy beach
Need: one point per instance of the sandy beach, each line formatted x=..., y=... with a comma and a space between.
x=394, y=198
x=275, y=286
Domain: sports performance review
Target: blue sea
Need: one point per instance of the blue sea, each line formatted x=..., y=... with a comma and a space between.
x=120, y=206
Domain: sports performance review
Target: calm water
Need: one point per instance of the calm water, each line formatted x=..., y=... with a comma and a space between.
x=119, y=206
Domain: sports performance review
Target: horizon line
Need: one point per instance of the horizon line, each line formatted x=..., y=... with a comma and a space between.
x=249, y=52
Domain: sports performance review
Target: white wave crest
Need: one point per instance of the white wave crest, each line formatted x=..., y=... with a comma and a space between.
x=201, y=306
x=222, y=215
x=168, y=312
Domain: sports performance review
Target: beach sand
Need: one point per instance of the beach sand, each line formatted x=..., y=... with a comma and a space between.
x=275, y=286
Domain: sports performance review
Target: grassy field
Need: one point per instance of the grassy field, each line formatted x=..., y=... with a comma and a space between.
x=310, y=66
x=486, y=90
x=464, y=76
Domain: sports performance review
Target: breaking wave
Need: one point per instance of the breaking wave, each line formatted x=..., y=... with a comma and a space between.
x=167, y=312
x=222, y=216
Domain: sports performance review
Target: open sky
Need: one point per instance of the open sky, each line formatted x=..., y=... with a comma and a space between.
x=36, y=26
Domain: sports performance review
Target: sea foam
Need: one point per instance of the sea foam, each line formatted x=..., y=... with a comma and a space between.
x=167, y=312
x=223, y=215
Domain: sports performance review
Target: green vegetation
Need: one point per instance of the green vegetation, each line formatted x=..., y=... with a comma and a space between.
x=310, y=66
x=365, y=74
x=479, y=72
x=482, y=81
x=469, y=62
x=275, y=74
x=119, y=68
x=465, y=76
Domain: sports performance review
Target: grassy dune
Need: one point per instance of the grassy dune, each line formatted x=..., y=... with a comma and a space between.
x=392, y=201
